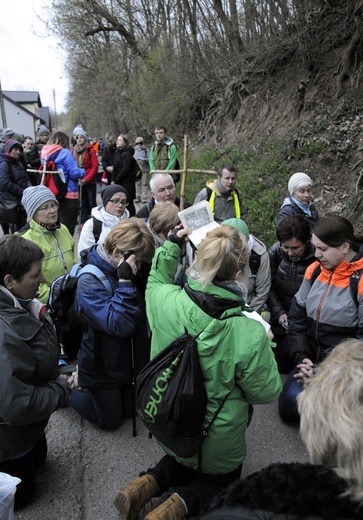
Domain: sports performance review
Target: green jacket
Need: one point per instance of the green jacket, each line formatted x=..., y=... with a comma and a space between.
x=58, y=249
x=163, y=156
x=235, y=356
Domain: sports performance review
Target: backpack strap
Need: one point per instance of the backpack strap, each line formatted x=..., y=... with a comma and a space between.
x=315, y=274
x=97, y=228
x=353, y=284
x=255, y=262
x=209, y=192
x=92, y=269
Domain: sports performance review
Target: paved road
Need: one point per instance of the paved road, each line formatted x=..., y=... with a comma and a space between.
x=86, y=466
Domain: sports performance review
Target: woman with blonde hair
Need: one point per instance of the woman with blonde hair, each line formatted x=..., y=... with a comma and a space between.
x=115, y=344
x=163, y=218
x=236, y=360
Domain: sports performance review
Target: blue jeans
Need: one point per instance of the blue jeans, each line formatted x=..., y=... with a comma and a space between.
x=288, y=398
x=101, y=407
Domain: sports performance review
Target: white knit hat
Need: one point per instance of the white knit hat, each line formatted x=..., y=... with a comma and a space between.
x=298, y=180
x=34, y=197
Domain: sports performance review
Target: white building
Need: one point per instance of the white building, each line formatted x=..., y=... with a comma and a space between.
x=24, y=112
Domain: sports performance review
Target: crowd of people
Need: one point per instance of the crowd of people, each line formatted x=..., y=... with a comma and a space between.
x=256, y=313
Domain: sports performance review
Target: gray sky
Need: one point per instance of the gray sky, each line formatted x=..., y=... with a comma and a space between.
x=28, y=61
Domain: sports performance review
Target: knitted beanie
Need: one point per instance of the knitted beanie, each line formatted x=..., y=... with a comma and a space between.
x=9, y=133
x=110, y=191
x=43, y=130
x=34, y=197
x=77, y=129
x=298, y=180
x=10, y=143
x=80, y=131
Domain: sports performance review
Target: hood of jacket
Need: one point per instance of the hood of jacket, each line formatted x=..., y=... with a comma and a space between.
x=90, y=256
x=215, y=185
x=49, y=149
x=216, y=301
x=10, y=309
x=101, y=214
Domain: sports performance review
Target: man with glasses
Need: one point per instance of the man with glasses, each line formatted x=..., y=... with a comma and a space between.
x=162, y=190
x=289, y=258
x=105, y=217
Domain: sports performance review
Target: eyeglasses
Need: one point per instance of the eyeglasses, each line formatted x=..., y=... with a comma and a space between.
x=48, y=207
x=122, y=202
x=286, y=249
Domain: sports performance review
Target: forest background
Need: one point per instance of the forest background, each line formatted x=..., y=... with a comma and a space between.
x=273, y=87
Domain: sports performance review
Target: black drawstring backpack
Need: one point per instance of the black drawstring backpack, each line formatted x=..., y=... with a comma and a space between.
x=171, y=398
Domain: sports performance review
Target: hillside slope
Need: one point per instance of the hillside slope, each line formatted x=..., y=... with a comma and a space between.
x=306, y=98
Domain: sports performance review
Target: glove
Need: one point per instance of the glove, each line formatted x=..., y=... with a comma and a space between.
x=173, y=237
x=124, y=271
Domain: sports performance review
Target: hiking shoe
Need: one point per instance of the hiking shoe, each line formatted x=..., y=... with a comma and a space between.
x=172, y=509
x=133, y=497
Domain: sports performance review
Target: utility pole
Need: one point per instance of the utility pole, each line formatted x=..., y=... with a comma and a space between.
x=3, y=114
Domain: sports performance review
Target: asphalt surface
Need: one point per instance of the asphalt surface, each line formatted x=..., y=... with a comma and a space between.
x=86, y=466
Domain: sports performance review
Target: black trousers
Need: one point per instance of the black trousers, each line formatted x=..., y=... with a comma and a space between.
x=25, y=468
x=195, y=488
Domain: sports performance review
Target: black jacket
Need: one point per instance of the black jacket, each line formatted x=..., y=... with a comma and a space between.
x=286, y=278
x=13, y=178
x=290, y=209
x=29, y=385
x=124, y=170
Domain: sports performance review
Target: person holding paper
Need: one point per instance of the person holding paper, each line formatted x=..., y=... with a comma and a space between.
x=225, y=200
x=237, y=362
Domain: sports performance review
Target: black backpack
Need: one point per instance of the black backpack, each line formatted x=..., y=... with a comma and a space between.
x=60, y=304
x=171, y=398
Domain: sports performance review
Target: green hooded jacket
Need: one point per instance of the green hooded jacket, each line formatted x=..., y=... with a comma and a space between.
x=235, y=356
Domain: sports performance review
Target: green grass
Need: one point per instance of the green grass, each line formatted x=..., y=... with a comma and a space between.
x=263, y=174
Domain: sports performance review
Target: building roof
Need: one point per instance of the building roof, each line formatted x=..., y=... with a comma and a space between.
x=23, y=96
x=19, y=105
